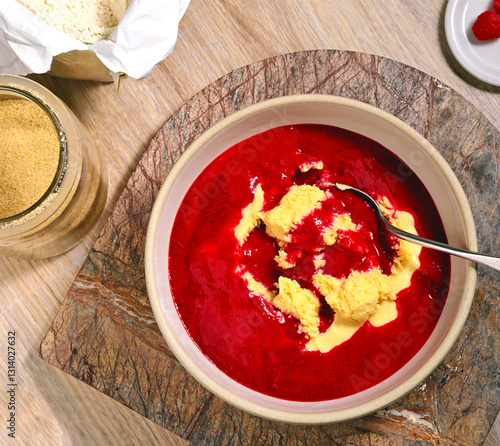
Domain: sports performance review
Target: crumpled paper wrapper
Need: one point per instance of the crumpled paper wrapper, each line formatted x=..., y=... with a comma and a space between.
x=145, y=36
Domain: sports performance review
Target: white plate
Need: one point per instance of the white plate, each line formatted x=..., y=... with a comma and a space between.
x=480, y=58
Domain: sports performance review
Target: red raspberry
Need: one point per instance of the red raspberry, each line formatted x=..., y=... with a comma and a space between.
x=487, y=25
x=496, y=5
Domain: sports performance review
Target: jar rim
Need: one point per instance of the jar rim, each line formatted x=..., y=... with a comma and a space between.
x=55, y=203
x=54, y=186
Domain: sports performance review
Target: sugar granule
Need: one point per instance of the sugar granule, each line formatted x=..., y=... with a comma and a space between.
x=29, y=155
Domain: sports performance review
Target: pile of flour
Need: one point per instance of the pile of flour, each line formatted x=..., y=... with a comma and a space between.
x=85, y=20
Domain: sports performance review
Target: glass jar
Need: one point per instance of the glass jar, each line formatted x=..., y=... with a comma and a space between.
x=75, y=199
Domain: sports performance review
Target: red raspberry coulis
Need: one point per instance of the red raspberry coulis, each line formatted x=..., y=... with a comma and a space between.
x=242, y=334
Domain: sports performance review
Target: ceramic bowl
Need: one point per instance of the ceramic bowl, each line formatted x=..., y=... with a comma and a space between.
x=366, y=120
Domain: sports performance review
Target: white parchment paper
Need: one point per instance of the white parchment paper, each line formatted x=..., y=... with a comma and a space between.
x=144, y=37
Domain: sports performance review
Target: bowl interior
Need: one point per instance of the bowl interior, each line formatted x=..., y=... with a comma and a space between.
x=369, y=121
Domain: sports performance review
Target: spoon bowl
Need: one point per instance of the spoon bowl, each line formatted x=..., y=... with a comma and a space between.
x=483, y=259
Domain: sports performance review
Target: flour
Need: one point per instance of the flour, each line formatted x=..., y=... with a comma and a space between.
x=85, y=20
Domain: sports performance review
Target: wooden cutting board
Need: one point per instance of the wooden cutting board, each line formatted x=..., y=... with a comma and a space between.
x=105, y=334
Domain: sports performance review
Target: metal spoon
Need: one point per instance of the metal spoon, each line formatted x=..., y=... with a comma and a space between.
x=491, y=261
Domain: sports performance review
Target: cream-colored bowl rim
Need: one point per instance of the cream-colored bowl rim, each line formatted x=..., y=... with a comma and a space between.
x=324, y=417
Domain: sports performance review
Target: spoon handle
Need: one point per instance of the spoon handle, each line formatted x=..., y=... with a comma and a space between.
x=491, y=261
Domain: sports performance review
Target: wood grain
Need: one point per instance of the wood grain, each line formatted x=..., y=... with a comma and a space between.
x=215, y=37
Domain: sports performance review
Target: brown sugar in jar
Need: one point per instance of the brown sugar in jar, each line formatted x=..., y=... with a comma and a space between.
x=29, y=155
x=53, y=179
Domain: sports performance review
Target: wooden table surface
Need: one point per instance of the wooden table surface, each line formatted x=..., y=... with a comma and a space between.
x=215, y=37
